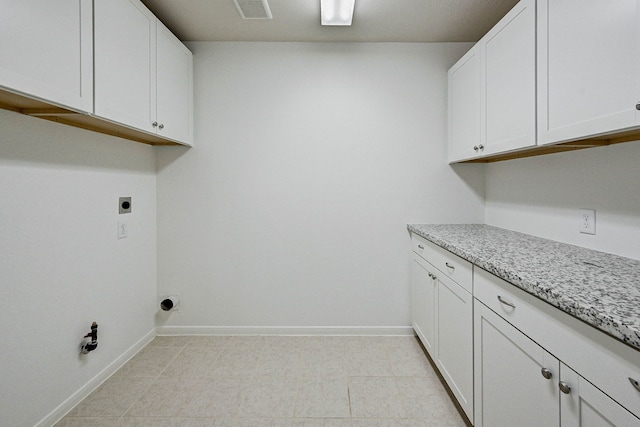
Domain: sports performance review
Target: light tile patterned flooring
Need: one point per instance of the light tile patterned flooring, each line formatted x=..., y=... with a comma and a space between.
x=271, y=381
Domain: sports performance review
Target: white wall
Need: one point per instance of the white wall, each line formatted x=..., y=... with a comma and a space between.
x=309, y=161
x=61, y=265
x=542, y=195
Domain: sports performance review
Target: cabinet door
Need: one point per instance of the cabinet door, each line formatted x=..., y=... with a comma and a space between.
x=125, y=63
x=510, y=389
x=588, y=68
x=586, y=406
x=464, y=109
x=174, y=87
x=47, y=51
x=423, y=302
x=454, y=347
x=509, y=81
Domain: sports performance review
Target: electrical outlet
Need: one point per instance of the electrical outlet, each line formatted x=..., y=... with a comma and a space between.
x=123, y=230
x=588, y=221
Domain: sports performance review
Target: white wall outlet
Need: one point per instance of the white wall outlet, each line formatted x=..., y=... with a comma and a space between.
x=123, y=229
x=588, y=221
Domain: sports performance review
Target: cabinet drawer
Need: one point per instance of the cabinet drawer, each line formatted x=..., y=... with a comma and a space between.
x=504, y=298
x=451, y=265
x=602, y=360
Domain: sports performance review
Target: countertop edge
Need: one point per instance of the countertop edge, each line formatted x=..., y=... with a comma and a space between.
x=595, y=318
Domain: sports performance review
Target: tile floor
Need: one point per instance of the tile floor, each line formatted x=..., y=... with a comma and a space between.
x=271, y=381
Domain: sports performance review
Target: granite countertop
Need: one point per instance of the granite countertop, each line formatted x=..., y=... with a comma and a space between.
x=599, y=288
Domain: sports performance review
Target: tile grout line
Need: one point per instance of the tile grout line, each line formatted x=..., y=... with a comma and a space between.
x=155, y=378
x=299, y=379
x=245, y=381
x=349, y=399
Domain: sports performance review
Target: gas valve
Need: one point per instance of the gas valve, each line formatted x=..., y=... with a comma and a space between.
x=90, y=345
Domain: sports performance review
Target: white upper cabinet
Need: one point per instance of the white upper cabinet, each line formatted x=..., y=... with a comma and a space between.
x=562, y=73
x=143, y=73
x=588, y=68
x=105, y=65
x=125, y=69
x=492, y=90
x=509, y=81
x=47, y=51
x=465, y=104
x=174, y=87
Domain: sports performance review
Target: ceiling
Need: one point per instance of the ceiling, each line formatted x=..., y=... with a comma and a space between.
x=423, y=21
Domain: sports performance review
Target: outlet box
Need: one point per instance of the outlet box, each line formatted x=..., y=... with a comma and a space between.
x=587, y=221
x=124, y=205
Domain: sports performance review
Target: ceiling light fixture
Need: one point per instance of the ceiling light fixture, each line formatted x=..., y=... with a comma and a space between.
x=337, y=12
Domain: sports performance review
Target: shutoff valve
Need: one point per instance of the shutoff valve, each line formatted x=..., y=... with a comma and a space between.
x=90, y=345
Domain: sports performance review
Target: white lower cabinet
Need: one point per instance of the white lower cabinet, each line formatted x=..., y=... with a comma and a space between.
x=442, y=317
x=423, y=302
x=536, y=366
x=454, y=340
x=586, y=406
x=511, y=359
x=510, y=388
x=520, y=383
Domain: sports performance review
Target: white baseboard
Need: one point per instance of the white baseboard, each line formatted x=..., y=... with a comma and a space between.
x=286, y=330
x=65, y=407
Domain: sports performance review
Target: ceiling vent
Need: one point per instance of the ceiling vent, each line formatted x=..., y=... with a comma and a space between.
x=253, y=9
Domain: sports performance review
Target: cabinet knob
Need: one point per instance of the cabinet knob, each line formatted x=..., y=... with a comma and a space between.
x=564, y=387
x=475, y=148
x=481, y=147
x=546, y=373
x=638, y=106
x=154, y=124
x=161, y=126
x=635, y=383
x=420, y=247
x=453, y=267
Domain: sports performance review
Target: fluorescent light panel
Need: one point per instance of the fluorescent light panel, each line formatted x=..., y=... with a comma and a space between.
x=337, y=12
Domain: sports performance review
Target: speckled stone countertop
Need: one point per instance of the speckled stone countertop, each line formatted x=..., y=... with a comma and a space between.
x=599, y=288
